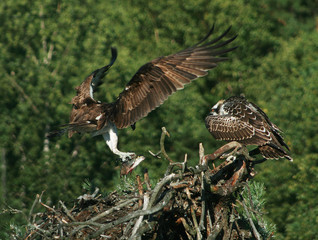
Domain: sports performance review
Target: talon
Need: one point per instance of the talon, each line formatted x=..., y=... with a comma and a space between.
x=130, y=163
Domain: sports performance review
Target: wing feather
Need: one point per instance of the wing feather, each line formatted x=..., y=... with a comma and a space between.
x=226, y=127
x=155, y=81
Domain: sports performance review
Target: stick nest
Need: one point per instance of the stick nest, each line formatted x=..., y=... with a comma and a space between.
x=187, y=203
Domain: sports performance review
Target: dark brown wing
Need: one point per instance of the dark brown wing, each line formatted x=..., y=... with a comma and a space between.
x=241, y=124
x=155, y=81
x=229, y=128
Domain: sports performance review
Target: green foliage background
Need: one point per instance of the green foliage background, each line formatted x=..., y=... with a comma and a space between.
x=47, y=48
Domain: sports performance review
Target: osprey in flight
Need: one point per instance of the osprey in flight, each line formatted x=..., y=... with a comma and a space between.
x=152, y=84
x=237, y=119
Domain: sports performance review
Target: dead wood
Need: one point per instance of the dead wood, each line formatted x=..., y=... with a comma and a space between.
x=187, y=203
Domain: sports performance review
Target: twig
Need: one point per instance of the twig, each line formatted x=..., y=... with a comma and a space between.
x=195, y=222
x=101, y=215
x=228, y=231
x=138, y=213
x=140, y=190
x=225, y=148
x=127, y=229
x=36, y=200
x=162, y=144
x=67, y=211
x=218, y=222
x=179, y=185
x=157, y=155
x=139, y=221
x=209, y=223
x=201, y=155
x=45, y=232
x=189, y=231
x=111, y=210
x=239, y=230
x=184, y=165
x=146, y=226
x=203, y=162
x=159, y=186
x=147, y=180
x=187, y=191
x=84, y=224
x=44, y=205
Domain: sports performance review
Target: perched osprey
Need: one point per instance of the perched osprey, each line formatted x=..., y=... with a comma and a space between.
x=237, y=119
x=153, y=83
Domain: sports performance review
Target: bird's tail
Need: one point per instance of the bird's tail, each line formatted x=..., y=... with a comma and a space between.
x=57, y=133
x=272, y=151
x=72, y=128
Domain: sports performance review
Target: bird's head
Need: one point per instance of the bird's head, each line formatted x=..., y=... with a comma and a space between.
x=215, y=110
x=100, y=73
x=94, y=79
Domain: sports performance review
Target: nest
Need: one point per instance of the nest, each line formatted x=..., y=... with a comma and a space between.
x=187, y=203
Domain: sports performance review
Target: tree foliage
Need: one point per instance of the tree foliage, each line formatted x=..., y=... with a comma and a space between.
x=48, y=47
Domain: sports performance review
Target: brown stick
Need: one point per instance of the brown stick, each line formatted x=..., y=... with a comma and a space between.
x=147, y=180
x=225, y=148
x=139, y=221
x=36, y=200
x=162, y=144
x=68, y=213
x=203, y=197
x=140, y=190
x=136, y=214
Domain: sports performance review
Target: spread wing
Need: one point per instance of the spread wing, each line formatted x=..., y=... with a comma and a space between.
x=242, y=124
x=155, y=81
x=88, y=87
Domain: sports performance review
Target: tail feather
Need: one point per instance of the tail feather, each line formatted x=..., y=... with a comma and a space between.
x=71, y=128
x=272, y=151
x=56, y=133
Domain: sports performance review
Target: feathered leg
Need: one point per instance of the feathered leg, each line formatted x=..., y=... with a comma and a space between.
x=111, y=139
x=129, y=159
